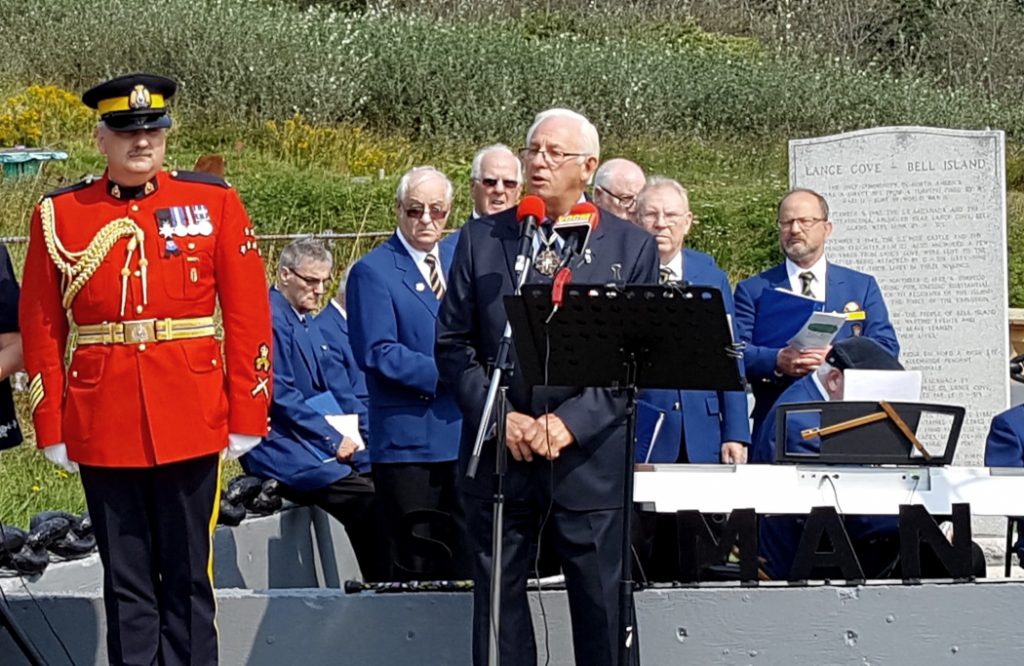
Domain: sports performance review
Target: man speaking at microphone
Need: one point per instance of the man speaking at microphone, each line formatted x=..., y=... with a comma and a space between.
x=566, y=444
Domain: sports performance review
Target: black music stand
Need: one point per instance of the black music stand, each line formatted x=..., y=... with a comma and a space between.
x=626, y=337
x=867, y=433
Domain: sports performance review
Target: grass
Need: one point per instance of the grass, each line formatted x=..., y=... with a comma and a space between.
x=319, y=109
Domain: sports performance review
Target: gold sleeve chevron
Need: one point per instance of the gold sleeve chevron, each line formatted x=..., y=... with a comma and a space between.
x=35, y=391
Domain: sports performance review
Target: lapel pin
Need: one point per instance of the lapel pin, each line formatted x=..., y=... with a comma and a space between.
x=420, y=286
x=587, y=256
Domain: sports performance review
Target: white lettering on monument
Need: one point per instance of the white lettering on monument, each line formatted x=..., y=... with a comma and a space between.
x=924, y=211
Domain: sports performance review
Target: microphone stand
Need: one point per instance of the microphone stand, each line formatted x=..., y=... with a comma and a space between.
x=496, y=405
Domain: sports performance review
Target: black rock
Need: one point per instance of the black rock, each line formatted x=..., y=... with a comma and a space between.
x=230, y=514
x=243, y=488
x=11, y=540
x=49, y=531
x=72, y=547
x=264, y=504
x=31, y=559
x=84, y=526
x=43, y=516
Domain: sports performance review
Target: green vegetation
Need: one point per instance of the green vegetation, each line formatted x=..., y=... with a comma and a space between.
x=319, y=105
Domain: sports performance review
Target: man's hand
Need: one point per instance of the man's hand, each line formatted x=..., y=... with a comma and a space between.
x=734, y=453
x=58, y=455
x=346, y=450
x=548, y=436
x=516, y=425
x=799, y=362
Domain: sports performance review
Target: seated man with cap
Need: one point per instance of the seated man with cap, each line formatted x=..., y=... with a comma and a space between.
x=875, y=538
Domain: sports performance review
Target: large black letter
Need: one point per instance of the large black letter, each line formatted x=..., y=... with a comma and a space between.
x=810, y=556
x=698, y=548
x=917, y=528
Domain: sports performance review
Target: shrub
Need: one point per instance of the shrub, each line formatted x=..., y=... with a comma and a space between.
x=43, y=116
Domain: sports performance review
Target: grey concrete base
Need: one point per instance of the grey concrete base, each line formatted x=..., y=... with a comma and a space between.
x=280, y=603
x=873, y=625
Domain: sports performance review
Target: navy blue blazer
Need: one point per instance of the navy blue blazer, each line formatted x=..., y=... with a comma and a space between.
x=334, y=329
x=392, y=317
x=843, y=286
x=300, y=447
x=1004, y=446
x=778, y=537
x=710, y=418
x=588, y=475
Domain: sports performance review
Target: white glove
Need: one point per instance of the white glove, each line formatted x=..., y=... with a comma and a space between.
x=58, y=455
x=239, y=445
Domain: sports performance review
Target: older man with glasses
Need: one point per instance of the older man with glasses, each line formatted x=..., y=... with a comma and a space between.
x=394, y=293
x=566, y=444
x=804, y=227
x=496, y=180
x=617, y=184
x=316, y=444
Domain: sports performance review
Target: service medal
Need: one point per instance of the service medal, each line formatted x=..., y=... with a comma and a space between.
x=547, y=262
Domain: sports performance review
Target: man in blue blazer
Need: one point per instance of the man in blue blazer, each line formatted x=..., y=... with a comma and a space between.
x=804, y=226
x=566, y=444
x=316, y=463
x=698, y=426
x=332, y=322
x=875, y=538
x=1004, y=447
x=393, y=295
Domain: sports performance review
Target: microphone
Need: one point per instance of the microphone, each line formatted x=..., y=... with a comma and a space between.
x=529, y=214
x=574, y=229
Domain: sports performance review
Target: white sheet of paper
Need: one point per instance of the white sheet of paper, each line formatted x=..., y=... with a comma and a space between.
x=818, y=331
x=933, y=430
x=891, y=385
x=348, y=426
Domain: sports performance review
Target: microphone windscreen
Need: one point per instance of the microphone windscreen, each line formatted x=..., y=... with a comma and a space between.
x=587, y=208
x=531, y=206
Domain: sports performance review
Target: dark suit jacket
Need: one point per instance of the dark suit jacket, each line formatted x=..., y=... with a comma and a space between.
x=589, y=473
x=843, y=286
x=392, y=317
x=709, y=417
x=299, y=450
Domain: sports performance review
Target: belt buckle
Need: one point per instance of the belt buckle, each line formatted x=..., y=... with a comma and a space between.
x=137, y=332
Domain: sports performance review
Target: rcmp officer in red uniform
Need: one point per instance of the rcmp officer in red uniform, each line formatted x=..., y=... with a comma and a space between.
x=136, y=261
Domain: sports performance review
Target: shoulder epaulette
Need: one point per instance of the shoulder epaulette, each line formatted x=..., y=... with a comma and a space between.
x=200, y=177
x=82, y=184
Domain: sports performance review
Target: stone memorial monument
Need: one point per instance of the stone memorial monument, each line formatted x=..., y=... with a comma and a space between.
x=924, y=211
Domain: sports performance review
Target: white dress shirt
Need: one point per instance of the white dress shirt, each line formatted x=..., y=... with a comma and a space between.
x=419, y=257
x=817, y=284
x=675, y=267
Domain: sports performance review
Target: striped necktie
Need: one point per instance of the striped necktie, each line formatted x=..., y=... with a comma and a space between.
x=435, y=276
x=805, y=283
x=665, y=274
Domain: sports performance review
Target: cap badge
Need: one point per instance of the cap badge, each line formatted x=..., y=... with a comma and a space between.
x=139, y=98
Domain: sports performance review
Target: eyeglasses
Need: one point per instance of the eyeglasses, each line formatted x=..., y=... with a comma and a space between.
x=493, y=182
x=802, y=222
x=310, y=281
x=667, y=220
x=416, y=213
x=552, y=156
x=626, y=201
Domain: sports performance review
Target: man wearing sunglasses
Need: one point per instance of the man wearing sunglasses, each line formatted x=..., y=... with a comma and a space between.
x=804, y=227
x=617, y=184
x=496, y=180
x=394, y=293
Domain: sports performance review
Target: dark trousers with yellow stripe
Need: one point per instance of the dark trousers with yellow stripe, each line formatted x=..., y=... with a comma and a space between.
x=153, y=528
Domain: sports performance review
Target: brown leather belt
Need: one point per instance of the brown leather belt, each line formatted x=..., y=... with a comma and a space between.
x=145, y=330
